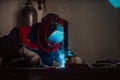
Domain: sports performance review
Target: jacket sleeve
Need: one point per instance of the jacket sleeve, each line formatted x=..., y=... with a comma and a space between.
x=9, y=44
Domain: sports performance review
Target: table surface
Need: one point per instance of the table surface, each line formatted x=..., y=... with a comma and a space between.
x=60, y=73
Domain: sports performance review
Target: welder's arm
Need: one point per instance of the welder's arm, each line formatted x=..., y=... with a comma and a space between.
x=11, y=48
x=30, y=55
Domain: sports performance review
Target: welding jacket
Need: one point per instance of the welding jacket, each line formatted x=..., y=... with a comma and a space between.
x=10, y=45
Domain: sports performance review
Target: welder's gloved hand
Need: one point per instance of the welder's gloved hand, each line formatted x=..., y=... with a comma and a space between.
x=74, y=60
x=32, y=56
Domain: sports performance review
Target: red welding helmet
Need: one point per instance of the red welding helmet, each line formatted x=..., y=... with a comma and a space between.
x=47, y=40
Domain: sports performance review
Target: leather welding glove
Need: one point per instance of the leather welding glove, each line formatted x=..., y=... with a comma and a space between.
x=32, y=56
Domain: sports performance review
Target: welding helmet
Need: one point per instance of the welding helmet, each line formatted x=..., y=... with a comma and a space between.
x=51, y=32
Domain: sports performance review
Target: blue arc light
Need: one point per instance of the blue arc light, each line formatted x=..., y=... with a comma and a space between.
x=115, y=3
x=62, y=58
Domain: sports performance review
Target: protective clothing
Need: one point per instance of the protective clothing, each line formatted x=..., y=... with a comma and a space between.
x=42, y=41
